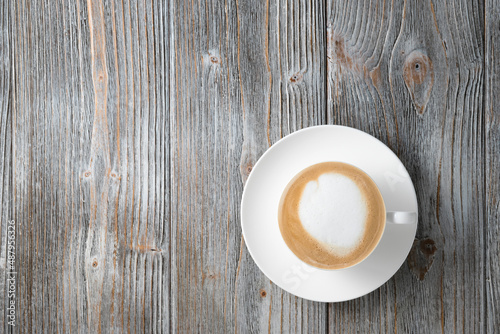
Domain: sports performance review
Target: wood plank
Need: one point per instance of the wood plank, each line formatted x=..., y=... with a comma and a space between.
x=91, y=165
x=246, y=74
x=5, y=170
x=411, y=74
x=492, y=107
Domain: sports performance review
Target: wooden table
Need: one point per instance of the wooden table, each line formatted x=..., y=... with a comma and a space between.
x=128, y=129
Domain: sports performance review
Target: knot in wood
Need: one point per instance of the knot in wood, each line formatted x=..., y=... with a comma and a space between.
x=338, y=53
x=95, y=263
x=417, y=68
x=86, y=174
x=296, y=77
x=214, y=59
x=418, y=75
x=421, y=257
x=246, y=166
x=428, y=247
x=248, y=169
x=263, y=293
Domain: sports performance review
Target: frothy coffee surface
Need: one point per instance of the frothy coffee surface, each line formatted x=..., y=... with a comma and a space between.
x=336, y=218
x=331, y=215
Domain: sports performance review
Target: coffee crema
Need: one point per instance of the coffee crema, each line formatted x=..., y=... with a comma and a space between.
x=331, y=215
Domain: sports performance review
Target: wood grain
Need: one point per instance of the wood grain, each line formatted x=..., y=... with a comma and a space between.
x=246, y=74
x=412, y=74
x=128, y=130
x=5, y=157
x=492, y=107
x=90, y=120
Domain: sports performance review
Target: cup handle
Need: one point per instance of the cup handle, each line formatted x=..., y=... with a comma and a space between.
x=401, y=217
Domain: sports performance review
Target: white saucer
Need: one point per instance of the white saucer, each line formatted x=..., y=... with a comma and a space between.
x=259, y=211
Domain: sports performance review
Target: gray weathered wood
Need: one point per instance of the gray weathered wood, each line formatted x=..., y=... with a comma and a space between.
x=5, y=155
x=246, y=74
x=492, y=108
x=128, y=129
x=90, y=133
x=411, y=73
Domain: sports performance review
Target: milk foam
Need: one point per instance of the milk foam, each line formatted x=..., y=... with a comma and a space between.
x=333, y=211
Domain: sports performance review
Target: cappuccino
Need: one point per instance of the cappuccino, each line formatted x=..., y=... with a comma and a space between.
x=331, y=215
